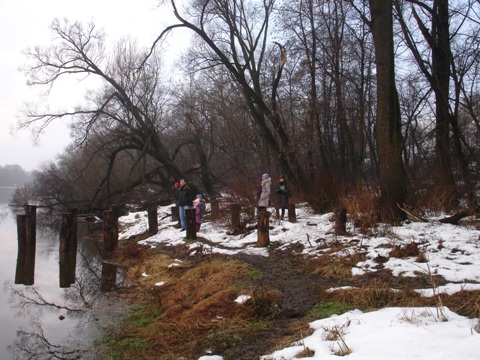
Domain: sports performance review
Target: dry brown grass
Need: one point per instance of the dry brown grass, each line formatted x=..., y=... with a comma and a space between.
x=362, y=208
x=408, y=250
x=466, y=303
x=428, y=197
x=374, y=295
x=205, y=292
x=195, y=309
x=334, y=267
x=195, y=300
x=131, y=254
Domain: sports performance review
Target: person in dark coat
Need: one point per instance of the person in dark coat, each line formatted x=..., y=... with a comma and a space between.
x=184, y=201
x=283, y=193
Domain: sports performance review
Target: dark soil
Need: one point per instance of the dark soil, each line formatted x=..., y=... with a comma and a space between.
x=282, y=271
x=300, y=292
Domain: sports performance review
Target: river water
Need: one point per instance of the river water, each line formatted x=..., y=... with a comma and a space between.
x=45, y=318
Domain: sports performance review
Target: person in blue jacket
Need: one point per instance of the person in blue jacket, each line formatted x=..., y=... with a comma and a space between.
x=184, y=201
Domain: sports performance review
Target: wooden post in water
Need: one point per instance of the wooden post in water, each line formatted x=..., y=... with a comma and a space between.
x=63, y=269
x=153, y=219
x=292, y=216
x=190, y=217
x=31, y=241
x=72, y=254
x=66, y=232
x=74, y=212
x=341, y=221
x=263, y=234
x=235, y=216
x=68, y=249
x=109, y=277
x=67, y=267
x=110, y=230
x=22, y=248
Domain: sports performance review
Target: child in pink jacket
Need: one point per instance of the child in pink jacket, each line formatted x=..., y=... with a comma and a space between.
x=199, y=206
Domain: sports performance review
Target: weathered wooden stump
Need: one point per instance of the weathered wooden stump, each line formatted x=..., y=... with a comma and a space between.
x=263, y=234
x=68, y=248
x=292, y=216
x=235, y=216
x=191, y=220
x=215, y=209
x=67, y=263
x=66, y=232
x=109, y=277
x=175, y=214
x=74, y=213
x=341, y=221
x=31, y=242
x=22, y=249
x=153, y=219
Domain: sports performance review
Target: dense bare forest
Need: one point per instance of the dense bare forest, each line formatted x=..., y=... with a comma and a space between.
x=357, y=102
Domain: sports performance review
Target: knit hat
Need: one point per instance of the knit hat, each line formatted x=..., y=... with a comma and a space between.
x=199, y=196
x=282, y=177
x=177, y=184
x=265, y=176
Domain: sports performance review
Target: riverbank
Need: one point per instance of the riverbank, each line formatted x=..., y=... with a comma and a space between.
x=221, y=295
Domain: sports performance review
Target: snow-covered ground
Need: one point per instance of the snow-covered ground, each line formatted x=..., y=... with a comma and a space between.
x=452, y=251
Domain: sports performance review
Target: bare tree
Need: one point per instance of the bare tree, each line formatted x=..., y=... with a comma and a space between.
x=235, y=36
x=389, y=139
x=437, y=71
x=125, y=111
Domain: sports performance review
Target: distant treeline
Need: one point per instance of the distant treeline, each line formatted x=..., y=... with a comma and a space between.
x=14, y=175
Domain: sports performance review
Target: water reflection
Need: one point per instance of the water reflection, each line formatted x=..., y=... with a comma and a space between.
x=68, y=264
x=62, y=310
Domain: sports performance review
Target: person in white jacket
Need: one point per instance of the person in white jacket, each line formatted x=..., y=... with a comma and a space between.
x=264, y=192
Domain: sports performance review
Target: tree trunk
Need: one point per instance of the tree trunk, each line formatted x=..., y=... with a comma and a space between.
x=441, y=87
x=392, y=174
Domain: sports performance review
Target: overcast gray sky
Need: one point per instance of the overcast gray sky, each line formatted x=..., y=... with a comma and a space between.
x=24, y=24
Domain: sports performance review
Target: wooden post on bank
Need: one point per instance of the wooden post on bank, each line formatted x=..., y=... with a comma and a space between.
x=214, y=209
x=263, y=235
x=153, y=219
x=110, y=230
x=175, y=215
x=22, y=248
x=292, y=216
x=341, y=221
x=190, y=217
x=235, y=215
